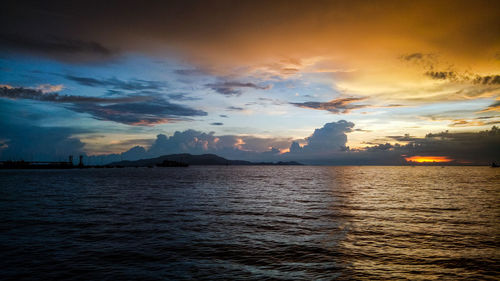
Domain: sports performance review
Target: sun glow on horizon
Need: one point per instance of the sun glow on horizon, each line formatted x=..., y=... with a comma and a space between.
x=427, y=159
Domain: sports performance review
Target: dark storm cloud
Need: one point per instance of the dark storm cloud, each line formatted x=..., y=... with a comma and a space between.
x=462, y=148
x=325, y=146
x=464, y=77
x=152, y=112
x=475, y=147
x=430, y=63
x=233, y=88
x=53, y=45
x=249, y=29
x=132, y=110
x=28, y=142
x=441, y=74
x=337, y=106
x=487, y=80
x=217, y=124
x=34, y=94
x=132, y=85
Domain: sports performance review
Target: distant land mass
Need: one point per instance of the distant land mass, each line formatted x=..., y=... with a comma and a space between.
x=189, y=159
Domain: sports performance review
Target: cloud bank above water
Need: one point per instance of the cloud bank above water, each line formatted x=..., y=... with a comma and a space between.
x=325, y=146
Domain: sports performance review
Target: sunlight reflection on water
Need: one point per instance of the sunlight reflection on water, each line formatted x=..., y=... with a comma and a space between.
x=251, y=223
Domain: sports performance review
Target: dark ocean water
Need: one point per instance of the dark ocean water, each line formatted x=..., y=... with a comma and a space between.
x=251, y=223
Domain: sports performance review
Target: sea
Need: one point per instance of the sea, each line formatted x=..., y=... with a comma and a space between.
x=251, y=223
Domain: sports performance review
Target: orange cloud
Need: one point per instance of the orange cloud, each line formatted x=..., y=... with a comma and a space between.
x=48, y=88
x=358, y=44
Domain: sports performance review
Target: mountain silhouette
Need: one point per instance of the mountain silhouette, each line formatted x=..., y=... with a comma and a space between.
x=186, y=158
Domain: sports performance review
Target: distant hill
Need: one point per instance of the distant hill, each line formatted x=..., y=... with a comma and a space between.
x=204, y=159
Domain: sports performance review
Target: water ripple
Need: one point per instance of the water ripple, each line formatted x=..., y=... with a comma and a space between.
x=251, y=223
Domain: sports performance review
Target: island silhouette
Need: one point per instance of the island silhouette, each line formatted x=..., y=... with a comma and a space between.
x=185, y=159
x=172, y=160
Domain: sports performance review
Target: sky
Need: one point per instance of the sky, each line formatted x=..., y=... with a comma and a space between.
x=319, y=82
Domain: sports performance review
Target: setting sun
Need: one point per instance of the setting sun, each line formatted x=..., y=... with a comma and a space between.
x=425, y=159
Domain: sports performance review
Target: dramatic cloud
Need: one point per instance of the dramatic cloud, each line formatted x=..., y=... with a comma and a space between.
x=140, y=113
x=357, y=43
x=441, y=74
x=461, y=148
x=464, y=77
x=188, y=141
x=65, y=48
x=225, y=32
x=231, y=146
x=233, y=88
x=430, y=62
x=467, y=147
x=326, y=146
x=487, y=80
x=330, y=138
x=133, y=85
x=430, y=56
x=337, y=106
x=195, y=142
x=39, y=95
x=133, y=110
x=31, y=143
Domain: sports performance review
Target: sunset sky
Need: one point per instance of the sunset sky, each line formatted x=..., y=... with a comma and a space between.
x=322, y=82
